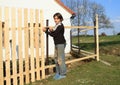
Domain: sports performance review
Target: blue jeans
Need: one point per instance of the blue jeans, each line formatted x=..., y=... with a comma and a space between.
x=60, y=59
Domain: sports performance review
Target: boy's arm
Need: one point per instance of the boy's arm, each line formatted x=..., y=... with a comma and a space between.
x=55, y=32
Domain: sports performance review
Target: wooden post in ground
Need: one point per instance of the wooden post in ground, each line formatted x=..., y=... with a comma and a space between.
x=47, y=49
x=78, y=41
x=20, y=45
x=71, y=40
x=97, y=38
x=27, y=77
x=42, y=45
x=1, y=48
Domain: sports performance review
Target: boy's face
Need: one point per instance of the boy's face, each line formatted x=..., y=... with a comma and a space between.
x=57, y=20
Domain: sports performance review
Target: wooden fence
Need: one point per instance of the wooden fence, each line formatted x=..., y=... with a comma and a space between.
x=20, y=32
x=22, y=57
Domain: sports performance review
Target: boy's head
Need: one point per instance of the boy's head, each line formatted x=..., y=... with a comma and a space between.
x=57, y=18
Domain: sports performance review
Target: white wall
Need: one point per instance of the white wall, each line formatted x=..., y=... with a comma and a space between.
x=57, y=8
x=49, y=7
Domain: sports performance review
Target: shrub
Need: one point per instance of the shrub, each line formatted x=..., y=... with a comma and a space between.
x=103, y=34
x=118, y=33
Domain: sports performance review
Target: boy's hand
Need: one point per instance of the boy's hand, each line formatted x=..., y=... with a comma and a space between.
x=44, y=29
x=50, y=29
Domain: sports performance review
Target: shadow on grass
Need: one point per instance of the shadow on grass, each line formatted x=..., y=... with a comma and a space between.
x=90, y=46
x=109, y=43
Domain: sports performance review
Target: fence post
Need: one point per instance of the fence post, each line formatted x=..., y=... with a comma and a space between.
x=42, y=45
x=47, y=48
x=78, y=41
x=1, y=48
x=71, y=40
x=97, y=37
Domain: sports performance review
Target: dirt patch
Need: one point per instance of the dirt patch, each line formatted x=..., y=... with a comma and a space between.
x=110, y=51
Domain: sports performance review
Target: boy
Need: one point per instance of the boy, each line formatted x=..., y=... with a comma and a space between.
x=59, y=40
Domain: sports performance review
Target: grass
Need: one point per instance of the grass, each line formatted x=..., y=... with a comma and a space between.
x=105, y=42
x=92, y=73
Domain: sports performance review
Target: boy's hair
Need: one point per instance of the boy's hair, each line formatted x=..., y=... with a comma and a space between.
x=58, y=15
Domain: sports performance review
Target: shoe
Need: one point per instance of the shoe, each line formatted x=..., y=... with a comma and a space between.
x=59, y=77
x=56, y=76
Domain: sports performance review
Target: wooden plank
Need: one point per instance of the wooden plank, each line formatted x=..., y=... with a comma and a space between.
x=13, y=29
x=76, y=48
x=26, y=45
x=74, y=60
x=76, y=27
x=42, y=45
x=32, y=46
x=37, y=43
x=79, y=59
x=1, y=48
x=86, y=52
x=84, y=30
x=7, y=49
x=97, y=38
x=20, y=45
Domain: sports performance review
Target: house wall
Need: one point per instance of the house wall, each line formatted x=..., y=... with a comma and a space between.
x=49, y=7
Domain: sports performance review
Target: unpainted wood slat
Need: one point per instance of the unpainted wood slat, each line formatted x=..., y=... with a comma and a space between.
x=26, y=46
x=14, y=60
x=20, y=45
x=37, y=42
x=42, y=45
x=32, y=46
x=7, y=46
x=1, y=48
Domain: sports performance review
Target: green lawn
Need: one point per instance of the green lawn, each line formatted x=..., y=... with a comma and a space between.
x=93, y=72
x=106, y=43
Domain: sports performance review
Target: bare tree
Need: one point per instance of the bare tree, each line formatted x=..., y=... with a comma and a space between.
x=104, y=21
x=80, y=7
x=85, y=13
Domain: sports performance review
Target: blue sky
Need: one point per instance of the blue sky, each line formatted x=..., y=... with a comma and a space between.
x=112, y=10
x=112, y=7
